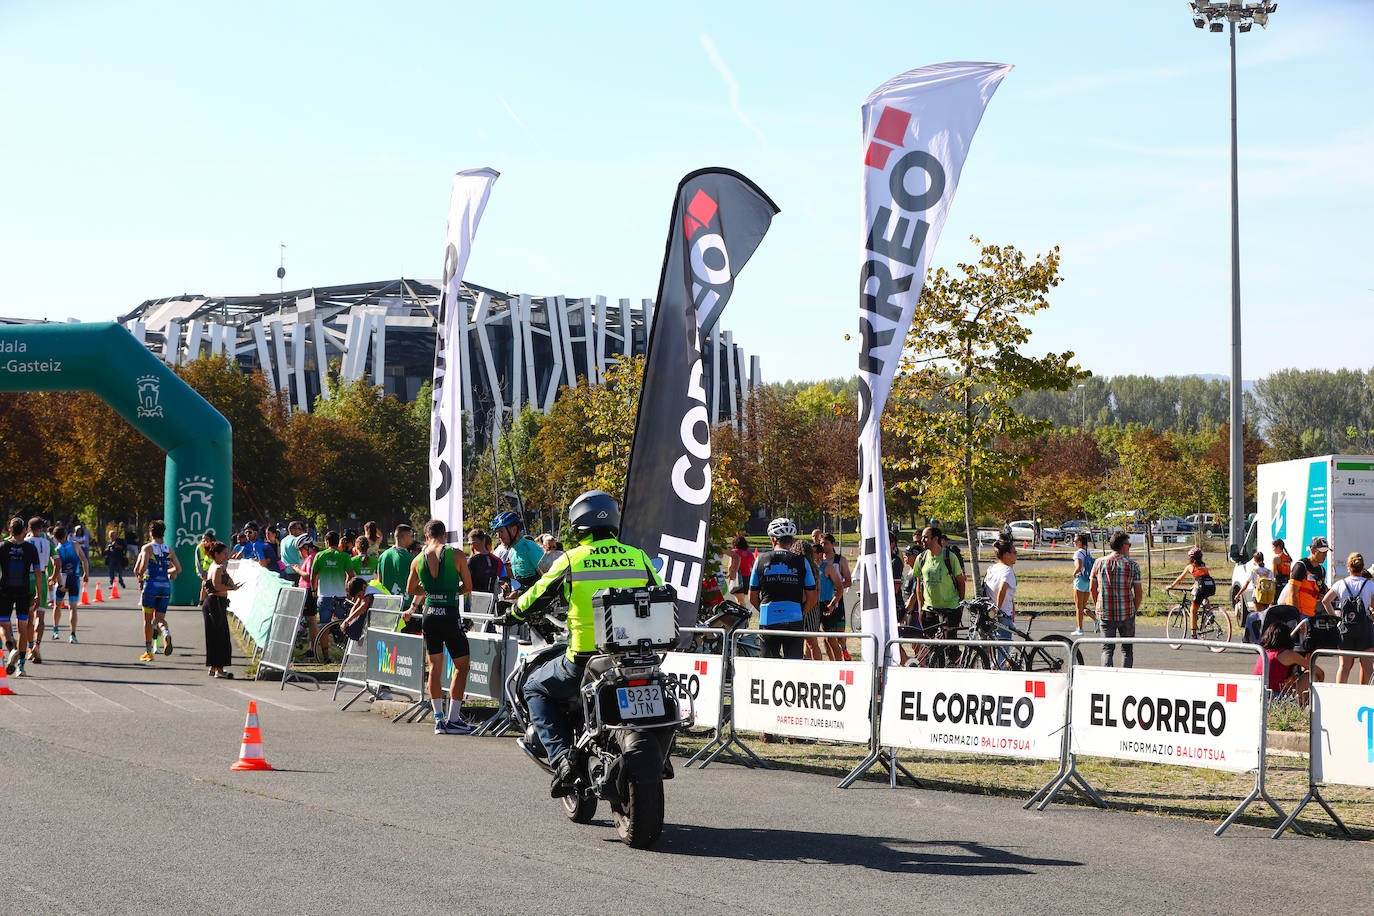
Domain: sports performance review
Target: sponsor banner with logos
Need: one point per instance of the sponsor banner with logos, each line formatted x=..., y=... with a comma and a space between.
x=700, y=678
x=1007, y=713
x=467, y=200
x=803, y=699
x=1343, y=734
x=917, y=130
x=719, y=218
x=396, y=660
x=491, y=656
x=1187, y=718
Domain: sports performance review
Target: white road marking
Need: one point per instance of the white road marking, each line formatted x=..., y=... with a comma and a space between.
x=269, y=701
x=83, y=698
x=179, y=698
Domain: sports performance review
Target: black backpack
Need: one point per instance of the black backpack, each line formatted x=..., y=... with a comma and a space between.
x=1354, y=620
x=1323, y=632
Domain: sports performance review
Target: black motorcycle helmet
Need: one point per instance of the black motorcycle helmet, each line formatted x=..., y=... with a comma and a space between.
x=594, y=512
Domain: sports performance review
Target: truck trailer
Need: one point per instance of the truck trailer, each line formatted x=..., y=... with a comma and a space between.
x=1331, y=496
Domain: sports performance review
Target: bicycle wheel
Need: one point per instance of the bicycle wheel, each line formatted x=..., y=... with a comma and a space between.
x=330, y=641
x=1214, y=626
x=974, y=657
x=1176, y=624
x=1038, y=659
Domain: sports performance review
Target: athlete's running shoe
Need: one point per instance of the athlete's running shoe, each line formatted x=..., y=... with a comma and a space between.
x=166, y=642
x=157, y=642
x=19, y=671
x=71, y=638
x=12, y=660
x=35, y=656
x=460, y=727
x=56, y=631
x=146, y=657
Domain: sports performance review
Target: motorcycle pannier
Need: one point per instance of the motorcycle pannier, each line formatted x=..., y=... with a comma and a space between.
x=635, y=618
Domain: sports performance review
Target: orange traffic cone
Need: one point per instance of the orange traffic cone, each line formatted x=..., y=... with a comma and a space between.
x=5, y=683
x=250, y=752
x=114, y=592
x=84, y=599
x=98, y=598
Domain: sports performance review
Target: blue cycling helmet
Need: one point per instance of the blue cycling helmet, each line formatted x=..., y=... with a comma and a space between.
x=504, y=519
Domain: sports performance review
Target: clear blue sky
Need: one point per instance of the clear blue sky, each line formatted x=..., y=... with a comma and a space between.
x=160, y=148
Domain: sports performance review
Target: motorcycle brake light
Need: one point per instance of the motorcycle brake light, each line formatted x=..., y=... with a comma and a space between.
x=638, y=683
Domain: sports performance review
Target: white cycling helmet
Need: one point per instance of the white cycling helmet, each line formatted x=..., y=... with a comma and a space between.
x=782, y=528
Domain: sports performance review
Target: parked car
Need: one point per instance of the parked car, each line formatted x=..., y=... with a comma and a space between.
x=1024, y=532
x=1208, y=522
x=1076, y=527
x=1172, y=524
x=1126, y=520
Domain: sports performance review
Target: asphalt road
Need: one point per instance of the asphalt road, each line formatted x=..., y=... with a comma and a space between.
x=120, y=799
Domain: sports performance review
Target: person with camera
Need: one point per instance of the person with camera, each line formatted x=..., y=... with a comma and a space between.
x=1349, y=599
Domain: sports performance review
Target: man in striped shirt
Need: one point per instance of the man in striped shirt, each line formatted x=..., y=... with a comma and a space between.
x=1117, y=593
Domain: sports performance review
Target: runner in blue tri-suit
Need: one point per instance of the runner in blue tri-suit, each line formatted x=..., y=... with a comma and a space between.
x=72, y=574
x=156, y=567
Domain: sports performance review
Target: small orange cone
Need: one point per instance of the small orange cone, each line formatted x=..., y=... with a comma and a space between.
x=250, y=752
x=84, y=599
x=5, y=683
x=98, y=598
x=114, y=592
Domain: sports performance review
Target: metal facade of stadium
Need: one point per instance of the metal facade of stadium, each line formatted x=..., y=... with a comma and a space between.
x=520, y=349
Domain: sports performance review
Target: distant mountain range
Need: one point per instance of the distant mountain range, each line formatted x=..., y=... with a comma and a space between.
x=1246, y=384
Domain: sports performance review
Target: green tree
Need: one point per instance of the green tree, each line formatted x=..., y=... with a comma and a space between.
x=963, y=370
x=397, y=432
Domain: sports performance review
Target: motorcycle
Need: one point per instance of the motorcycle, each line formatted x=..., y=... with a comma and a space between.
x=624, y=719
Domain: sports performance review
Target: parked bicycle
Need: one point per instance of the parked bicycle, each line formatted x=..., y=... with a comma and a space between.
x=1212, y=623
x=1017, y=657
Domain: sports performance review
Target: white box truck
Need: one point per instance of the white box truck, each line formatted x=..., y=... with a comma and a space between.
x=1331, y=496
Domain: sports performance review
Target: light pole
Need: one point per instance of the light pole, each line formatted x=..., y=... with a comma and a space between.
x=1083, y=399
x=1215, y=16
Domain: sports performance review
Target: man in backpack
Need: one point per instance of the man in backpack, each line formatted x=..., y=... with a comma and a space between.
x=1350, y=599
x=1314, y=563
x=782, y=586
x=940, y=585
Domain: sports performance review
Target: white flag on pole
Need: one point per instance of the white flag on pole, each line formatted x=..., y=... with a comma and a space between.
x=917, y=130
x=471, y=188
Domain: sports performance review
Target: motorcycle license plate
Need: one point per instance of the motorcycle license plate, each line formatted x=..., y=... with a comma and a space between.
x=640, y=702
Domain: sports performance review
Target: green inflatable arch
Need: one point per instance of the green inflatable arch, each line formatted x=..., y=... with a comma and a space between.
x=106, y=359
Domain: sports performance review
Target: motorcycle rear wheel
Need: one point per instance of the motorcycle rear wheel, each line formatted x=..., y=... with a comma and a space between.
x=639, y=820
x=579, y=809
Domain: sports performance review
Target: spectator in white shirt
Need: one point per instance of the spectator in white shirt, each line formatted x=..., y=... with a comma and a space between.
x=1000, y=582
x=1358, y=638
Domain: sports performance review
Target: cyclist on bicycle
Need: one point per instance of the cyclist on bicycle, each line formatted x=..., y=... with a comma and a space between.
x=1204, y=586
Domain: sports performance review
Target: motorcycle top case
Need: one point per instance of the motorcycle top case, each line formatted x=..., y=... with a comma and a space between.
x=635, y=618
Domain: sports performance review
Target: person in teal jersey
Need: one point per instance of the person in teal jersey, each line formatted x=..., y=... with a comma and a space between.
x=520, y=554
x=157, y=565
x=73, y=572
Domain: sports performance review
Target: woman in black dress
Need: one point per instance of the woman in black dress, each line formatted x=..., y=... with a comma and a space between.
x=219, y=649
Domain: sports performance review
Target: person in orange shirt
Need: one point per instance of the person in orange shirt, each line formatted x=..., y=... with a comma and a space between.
x=1301, y=592
x=1204, y=586
x=1283, y=564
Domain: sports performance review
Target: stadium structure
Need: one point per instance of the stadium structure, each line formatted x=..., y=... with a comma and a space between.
x=519, y=349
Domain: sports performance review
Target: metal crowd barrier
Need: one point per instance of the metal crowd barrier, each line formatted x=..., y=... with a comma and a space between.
x=716, y=738
x=732, y=740
x=1320, y=771
x=1068, y=774
x=385, y=614
x=887, y=755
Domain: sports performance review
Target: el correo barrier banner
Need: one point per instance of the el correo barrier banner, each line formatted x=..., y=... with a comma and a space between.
x=1187, y=718
x=826, y=700
x=917, y=130
x=700, y=678
x=1343, y=734
x=719, y=218
x=1007, y=713
x=467, y=200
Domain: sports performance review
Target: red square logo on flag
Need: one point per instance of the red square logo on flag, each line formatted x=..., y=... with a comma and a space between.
x=1036, y=689
x=876, y=156
x=700, y=212
x=847, y=678
x=1227, y=692
x=892, y=125
x=700, y=667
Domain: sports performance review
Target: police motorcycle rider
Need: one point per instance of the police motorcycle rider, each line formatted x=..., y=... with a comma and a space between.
x=518, y=551
x=598, y=561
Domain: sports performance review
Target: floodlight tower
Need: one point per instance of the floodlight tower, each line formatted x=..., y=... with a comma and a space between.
x=1215, y=16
